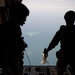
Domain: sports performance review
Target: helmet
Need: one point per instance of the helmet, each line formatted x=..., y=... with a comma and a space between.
x=70, y=15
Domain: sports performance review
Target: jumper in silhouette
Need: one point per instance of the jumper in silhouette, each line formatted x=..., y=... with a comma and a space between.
x=66, y=36
x=11, y=40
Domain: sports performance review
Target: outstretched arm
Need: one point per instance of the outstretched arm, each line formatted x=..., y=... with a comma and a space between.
x=54, y=41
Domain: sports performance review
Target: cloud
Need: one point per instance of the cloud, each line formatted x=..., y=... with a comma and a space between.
x=32, y=33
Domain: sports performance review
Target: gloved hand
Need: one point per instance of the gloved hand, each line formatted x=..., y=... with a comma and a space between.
x=45, y=55
x=45, y=52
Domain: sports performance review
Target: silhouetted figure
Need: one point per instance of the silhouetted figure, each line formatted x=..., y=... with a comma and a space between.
x=66, y=36
x=18, y=13
x=11, y=40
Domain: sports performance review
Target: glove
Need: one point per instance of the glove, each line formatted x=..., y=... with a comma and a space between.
x=45, y=55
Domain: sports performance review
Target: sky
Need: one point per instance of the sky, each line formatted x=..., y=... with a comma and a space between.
x=44, y=20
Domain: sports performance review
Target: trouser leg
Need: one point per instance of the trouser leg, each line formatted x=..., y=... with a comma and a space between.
x=61, y=67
